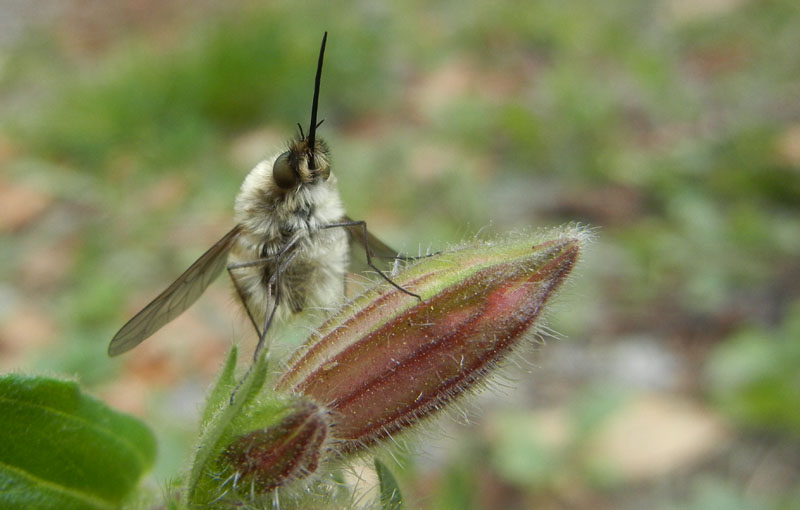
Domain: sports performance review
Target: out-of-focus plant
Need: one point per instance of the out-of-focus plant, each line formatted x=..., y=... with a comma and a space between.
x=754, y=376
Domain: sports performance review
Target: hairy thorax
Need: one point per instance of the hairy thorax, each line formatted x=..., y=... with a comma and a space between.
x=285, y=231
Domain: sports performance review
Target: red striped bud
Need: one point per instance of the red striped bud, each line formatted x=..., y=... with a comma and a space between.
x=272, y=457
x=387, y=360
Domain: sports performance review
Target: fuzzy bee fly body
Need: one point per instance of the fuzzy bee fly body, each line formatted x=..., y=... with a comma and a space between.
x=288, y=252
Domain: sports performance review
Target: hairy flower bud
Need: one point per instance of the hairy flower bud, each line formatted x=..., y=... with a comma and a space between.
x=271, y=457
x=387, y=360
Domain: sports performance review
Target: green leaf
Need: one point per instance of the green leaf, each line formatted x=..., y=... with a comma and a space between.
x=220, y=419
x=391, y=497
x=221, y=393
x=62, y=449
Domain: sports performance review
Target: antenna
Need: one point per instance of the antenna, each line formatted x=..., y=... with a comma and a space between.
x=312, y=128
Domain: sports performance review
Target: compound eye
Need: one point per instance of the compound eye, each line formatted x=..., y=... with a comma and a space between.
x=282, y=172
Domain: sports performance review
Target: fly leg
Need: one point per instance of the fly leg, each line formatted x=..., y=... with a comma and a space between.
x=363, y=225
x=241, y=295
x=274, y=282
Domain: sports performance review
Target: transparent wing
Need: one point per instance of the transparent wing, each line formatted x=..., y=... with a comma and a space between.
x=176, y=298
x=383, y=256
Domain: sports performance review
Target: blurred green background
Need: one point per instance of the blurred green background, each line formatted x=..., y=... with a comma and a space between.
x=672, y=127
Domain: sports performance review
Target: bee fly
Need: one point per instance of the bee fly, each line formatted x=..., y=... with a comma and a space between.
x=289, y=250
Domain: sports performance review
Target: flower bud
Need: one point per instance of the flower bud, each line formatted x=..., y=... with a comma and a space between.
x=387, y=360
x=271, y=457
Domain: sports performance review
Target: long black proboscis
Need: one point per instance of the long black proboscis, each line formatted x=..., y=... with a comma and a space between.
x=312, y=128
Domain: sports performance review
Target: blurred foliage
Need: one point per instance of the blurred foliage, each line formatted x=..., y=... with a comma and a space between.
x=754, y=376
x=673, y=126
x=167, y=106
